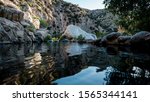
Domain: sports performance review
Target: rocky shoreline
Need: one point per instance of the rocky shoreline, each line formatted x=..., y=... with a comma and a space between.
x=138, y=40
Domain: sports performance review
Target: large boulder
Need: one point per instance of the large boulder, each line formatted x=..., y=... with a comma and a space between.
x=111, y=38
x=124, y=40
x=141, y=39
x=73, y=31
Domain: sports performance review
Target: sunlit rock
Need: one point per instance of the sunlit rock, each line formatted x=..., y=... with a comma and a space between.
x=73, y=31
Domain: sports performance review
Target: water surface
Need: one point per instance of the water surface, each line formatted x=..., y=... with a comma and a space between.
x=72, y=64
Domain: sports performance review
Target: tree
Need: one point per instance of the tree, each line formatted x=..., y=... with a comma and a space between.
x=134, y=14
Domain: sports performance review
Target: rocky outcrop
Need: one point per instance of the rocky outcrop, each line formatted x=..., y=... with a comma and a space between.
x=14, y=32
x=139, y=40
x=59, y=14
x=41, y=34
x=75, y=32
x=142, y=37
x=111, y=38
x=11, y=13
x=10, y=32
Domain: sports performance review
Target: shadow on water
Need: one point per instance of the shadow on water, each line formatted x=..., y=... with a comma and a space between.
x=72, y=64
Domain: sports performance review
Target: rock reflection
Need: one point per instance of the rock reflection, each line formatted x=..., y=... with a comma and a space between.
x=33, y=61
x=55, y=63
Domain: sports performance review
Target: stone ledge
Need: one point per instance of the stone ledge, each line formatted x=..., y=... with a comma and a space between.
x=11, y=13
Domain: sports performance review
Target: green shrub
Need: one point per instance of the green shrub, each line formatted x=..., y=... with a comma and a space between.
x=31, y=28
x=100, y=34
x=55, y=39
x=48, y=37
x=80, y=38
x=43, y=23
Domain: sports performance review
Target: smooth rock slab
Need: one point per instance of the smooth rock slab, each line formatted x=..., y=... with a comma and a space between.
x=73, y=31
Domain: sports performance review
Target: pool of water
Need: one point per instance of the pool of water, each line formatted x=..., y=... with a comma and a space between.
x=72, y=64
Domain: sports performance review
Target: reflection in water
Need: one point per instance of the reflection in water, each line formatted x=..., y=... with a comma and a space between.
x=76, y=49
x=72, y=64
x=81, y=78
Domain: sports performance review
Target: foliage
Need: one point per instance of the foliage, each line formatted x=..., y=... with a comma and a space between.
x=134, y=14
x=31, y=28
x=55, y=39
x=48, y=37
x=100, y=34
x=43, y=23
x=80, y=38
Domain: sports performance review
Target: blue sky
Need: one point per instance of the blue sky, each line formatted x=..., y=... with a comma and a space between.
x=89, y=4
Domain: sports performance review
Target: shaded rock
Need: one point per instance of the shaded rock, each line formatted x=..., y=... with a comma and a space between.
x=111, y=38
x=124, y=40
x=41, y=34
x=141, y=40
x=14, y=32
x=11, y=31
x=29, y=36
x=97, y=42
x=73, y=31
x=1, y=2
x=25, y=24
x=24, y=7
x=32, y=36
x=11, y=13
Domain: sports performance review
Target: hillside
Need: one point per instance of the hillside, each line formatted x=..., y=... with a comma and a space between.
x=54, y=14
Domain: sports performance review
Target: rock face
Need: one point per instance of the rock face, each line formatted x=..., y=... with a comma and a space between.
x=28, y=15
x=59, y=14
x=73, y=31
x=10, y=32
x=41, y=34
x=11, y=13
x=14, y=32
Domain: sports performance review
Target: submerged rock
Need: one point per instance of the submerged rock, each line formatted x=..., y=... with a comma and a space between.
x=73, y=31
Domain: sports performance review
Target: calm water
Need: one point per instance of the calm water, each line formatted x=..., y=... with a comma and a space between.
x=72, y=64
